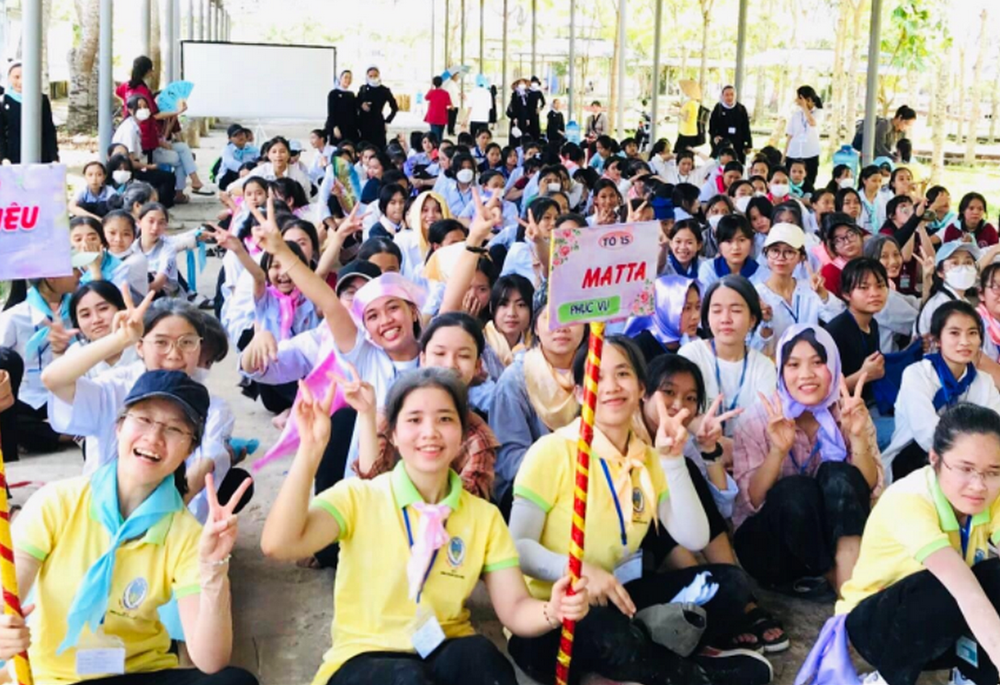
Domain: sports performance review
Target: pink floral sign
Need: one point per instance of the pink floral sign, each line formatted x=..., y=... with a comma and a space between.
x=34, y=225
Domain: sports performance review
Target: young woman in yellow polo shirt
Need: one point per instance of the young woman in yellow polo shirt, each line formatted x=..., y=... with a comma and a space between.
x=103, y=554
x=414, y=544
x=925, y=593
x=629, y=491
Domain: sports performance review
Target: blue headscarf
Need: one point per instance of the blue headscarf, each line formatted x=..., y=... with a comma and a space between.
x=670, y=294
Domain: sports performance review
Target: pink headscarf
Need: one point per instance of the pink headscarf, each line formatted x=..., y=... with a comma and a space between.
x=387, y=285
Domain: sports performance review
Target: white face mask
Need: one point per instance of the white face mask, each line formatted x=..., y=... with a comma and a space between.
x=759, y=193
x=374, y=82
x=464, y=176
x=961, y=278
x=714, y=220
x=779, y=189
x=553, y=187
x=846, y=182
x=142, y=114
x=121, y=176
x=521, y=89
x=742, y=202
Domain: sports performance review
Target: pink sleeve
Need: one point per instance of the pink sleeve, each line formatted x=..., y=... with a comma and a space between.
x=750, y=448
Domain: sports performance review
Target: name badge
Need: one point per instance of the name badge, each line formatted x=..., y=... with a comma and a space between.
x=426, y=633
x=629, y=569
x=100, y=654
x=732, y=130
x=967, y=651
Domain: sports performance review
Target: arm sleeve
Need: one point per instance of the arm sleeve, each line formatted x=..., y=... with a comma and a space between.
x=293, y=363
x=682, y=513
x=527, y=520
x=916, y=402
x=908, y=229
x=883, y=144
x=393, y=107
x=510, y=421
x=218, y=429
x=36, y=528
x=340, y=503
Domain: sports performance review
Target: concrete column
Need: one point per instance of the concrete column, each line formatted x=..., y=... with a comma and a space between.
x=31, y=81
x=657, y=31
x=201, y=19
x=621, y=72
x=190, y=20
x=433, y=32
x=144, y=24
x=571, y=83
x=871, y=88
x=461, y=58
x=167, y=38
x=105, y=82
x=502, y=108
x=482, y=36
x=741, y=46
x=534, y=36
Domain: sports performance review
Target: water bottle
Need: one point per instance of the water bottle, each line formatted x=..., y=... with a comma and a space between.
x=573, y=132
x=849, y=156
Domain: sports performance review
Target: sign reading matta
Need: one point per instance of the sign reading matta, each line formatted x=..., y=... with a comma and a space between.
x=602, y=273
x=34, y=226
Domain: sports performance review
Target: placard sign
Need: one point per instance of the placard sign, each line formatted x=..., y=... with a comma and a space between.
x=34, y=225
x=602, y=273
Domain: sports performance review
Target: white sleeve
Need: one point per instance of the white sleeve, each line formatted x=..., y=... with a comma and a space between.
x=915, y=403
x=681, y=512
x=96, y=402
x=325, y=190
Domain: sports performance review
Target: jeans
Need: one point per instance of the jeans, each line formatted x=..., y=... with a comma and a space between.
x=438, y=130
x=180, y=158
x=611, y=645
x=795, y=533
x=913, y=625
x=470, y=660
x=186, y=676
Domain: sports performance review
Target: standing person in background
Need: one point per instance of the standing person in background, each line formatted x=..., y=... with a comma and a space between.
x=803, y=134
x=342, y=111
x=480, y=112
x=518, y=111
x=687, y=131
x=730, y=123
x=10, y=122
x=450, y=84
x=372, y=99
x=439, y=108
x=555, y=128
x=536, y=101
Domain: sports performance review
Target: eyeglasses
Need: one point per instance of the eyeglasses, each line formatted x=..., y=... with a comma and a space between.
x=969, y=474
x=783, y=255
x=847, y=238
x=146, y=425
x=185, y=343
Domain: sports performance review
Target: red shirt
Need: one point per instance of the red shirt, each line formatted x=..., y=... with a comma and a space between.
x=149, y=129
x=985, y=236
x=438, y=102
x=831, y=278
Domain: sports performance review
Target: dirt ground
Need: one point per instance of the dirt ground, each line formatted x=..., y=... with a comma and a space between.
x=283, y=613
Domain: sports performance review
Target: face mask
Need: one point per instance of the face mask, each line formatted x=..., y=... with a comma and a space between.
x=464, y=176
x=779, y=189
x=142, y=114
x=535, y=86
x=521, y=89
x=713, y=221
x=961, y=278
x=759, y=193
x=742, y=202
x=553, y=187
x=121, y=176
x=374, y=82
x=846, y=182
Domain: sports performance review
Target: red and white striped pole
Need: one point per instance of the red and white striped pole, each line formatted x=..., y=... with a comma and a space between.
x=8, y=576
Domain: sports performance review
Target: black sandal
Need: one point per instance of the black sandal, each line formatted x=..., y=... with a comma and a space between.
x=816, y=590
x=761, y=621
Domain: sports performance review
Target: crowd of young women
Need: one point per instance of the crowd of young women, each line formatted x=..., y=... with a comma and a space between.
x=811, y=409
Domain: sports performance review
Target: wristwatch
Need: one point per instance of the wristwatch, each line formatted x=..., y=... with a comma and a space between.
x=714, y=454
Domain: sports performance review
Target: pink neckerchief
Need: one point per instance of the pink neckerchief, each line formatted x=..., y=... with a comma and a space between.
x=992, y=326
x=430, y=537
x=251, y=245
x=287, y=304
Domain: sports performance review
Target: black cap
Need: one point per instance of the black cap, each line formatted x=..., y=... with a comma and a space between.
x=356, y=269
x=177, y=386
x=234, y=129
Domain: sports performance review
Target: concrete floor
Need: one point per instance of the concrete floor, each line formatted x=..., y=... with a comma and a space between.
x=283, y=613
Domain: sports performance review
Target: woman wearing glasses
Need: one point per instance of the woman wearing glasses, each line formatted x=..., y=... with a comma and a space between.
x=924, y=594
x=167, y=336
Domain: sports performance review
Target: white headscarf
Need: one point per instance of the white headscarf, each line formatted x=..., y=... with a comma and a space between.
x=722, y=95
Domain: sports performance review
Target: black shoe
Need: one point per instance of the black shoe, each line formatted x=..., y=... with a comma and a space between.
x=734, y=666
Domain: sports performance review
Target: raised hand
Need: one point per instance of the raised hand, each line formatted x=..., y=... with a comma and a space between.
x=221, y=236
x=471, y=304
x=487, y=216
x=564, y=606
x=261, y=351
x=817, y=282
x=312, y=417
x=128, y=325
x=634, y=215
x=532, y=231
x=707, y=428
x=15, y=635
x=60, y=337
x=853, y=410
x=271, y=239
x=780, y=430
x=358, y=393
x=219, y=534
x=671, y=434
x=351, y=225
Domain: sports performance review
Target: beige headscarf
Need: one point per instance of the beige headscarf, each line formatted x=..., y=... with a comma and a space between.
x=414, y=222
x=550, y=391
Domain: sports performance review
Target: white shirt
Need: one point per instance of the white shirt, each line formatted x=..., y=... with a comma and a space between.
x=454, y=93
x=707, y=274
x=138, y=269
x=17, y=325
x=412, y=267
x=923, y=325
x=266, y=171
x=760, y=377
x=162, y=259
x=804, y=143
x=806, y=307
x=128, y=135
x=480, y=104
x=916, y=418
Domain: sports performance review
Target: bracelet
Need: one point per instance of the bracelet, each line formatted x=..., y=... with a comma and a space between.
x=552, y=621
x=220, y=562
x=476, y=250
x=714, y=454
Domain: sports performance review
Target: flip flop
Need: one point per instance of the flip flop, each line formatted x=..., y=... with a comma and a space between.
x=203, y=192
x=761, y=621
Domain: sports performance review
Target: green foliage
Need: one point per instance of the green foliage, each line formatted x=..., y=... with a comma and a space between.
x=915, y=30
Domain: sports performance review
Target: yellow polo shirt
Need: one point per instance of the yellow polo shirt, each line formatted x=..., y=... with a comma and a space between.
x=912, y=520
x=373, y=611
x=547, y=478
x=59, y=527
x=690, y=110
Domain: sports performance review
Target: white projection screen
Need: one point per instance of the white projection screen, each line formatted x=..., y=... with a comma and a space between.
x=253, y=81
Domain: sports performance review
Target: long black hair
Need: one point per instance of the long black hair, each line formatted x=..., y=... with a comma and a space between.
x=141, y=66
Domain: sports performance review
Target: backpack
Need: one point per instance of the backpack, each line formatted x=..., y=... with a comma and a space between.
x=859, y=132
x=703, y=116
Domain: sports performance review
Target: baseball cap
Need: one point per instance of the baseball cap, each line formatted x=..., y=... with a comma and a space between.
x=190, y=395
x=786, y=233
x=234, y=129
x=295, y=146
x=950, y=248
x=356, y=269
x=663, y=208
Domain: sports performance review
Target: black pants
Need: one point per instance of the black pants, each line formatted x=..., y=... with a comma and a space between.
x=795, y=533
x=331, y=469
x=227, y=488
x=611, y=645
x=476, y=126
x=812, y=168
x=33, y=429
x=177, y=676
x=277, y=398
x=463, y=661
x=913, y=625
x=452, y=118
x=228, y=178
x=658, y=543
x=10, y=361
x=685, y=143
x=909, y=459
x=163, y=181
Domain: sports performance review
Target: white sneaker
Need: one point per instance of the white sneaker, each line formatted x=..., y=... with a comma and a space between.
x=958, y=679
x=874, y=678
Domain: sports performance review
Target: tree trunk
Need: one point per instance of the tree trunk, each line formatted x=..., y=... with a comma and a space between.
x=615, y=56
x=959, y=111
x=46, y=18
x=977, y=75
x=994, y=111
x=154, y=44
x=939, y=125
x=82, y=115
x=851, y=115
x=837, y=81
x=706, y=14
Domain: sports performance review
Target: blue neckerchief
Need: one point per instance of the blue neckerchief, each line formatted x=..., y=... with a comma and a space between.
x=90, y=602
x=748, y=269
x=16, y=97
x=795, y=190
x=690, y=272
x=109, y=266
x=938, y=224
x=192, y=267
x=36, y=301
x=951, y=388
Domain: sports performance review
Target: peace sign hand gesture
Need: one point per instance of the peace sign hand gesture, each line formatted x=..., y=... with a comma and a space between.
x=817, y=282
x=853, y=411
x=635, y=215
x=487, y=216
x=780, y=430
x=358, y=393
x=60, y=337
x=221, y=236
x=672, y=434
x=312, y=417
x=270, y=235
x=127, y=325
x=707, y=428
x=219, y=534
